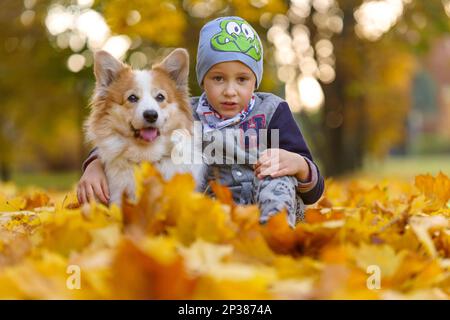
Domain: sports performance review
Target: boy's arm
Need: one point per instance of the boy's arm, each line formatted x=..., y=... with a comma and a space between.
x=91, y=157
x=291, y=139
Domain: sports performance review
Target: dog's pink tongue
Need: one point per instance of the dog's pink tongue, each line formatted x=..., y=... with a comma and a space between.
x=148, y=134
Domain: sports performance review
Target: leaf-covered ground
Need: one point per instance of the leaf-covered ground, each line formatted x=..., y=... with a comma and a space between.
x=362, y=240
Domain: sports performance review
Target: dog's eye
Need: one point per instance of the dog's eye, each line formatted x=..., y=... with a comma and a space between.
x=160, y=97
x=133, y=98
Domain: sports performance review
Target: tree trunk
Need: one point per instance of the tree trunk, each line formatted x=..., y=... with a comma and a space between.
x=5, y=171
x=343, y=117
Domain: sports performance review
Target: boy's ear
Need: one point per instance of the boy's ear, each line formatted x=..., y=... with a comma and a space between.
x=176, y=64
x=106, y=69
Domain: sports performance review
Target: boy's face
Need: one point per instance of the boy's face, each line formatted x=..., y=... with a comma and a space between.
x=229, y=87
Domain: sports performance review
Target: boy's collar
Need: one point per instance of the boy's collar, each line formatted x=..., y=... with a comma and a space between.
x=211, y=121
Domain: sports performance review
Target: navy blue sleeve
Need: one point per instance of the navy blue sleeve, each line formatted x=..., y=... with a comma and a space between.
x=291, y=139
x=91, y=157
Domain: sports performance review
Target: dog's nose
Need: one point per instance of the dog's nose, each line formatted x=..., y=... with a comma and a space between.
x=150, y=115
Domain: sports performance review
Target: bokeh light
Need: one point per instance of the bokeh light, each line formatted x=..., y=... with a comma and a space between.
x=85, y=3
x=374, y=18
x=76, y=62
x=58, y=20
x=27, y=17
x=303, y=61
x=79, y=27
x=94, y=27
x=311, y=94
x=117, y=46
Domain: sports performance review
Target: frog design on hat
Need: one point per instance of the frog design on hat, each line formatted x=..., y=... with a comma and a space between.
x=237, y=36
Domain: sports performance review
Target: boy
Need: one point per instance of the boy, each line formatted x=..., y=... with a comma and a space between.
x=229, y=69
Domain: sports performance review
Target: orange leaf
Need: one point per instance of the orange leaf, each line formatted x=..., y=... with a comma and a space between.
x=278, y=234
x=222, y=193
x=139, y=275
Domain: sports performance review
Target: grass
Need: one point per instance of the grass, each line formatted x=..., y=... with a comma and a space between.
x=58, y=181
x=407, y=167
x=393, y=167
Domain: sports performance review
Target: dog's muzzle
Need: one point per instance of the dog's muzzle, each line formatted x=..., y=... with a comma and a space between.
x=148, y=134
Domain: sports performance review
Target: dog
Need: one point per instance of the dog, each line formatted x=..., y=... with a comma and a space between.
x=142, y=115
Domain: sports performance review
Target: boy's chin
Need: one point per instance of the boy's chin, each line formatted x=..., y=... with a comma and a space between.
x=228, y=115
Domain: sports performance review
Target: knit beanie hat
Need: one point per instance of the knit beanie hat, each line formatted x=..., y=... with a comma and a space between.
x=229, y=39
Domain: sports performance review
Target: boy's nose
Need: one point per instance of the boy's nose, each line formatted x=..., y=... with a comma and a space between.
x=229, y=90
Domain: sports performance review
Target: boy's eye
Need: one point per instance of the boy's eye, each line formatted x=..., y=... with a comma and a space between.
x=218, y=78
x=242, y=79
x=133, y=98
x=160, y=97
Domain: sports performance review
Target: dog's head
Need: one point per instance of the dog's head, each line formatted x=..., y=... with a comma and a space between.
x=139, y=104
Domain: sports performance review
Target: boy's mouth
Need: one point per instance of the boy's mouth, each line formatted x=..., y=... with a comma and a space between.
x=147, y=134
x=229, y=104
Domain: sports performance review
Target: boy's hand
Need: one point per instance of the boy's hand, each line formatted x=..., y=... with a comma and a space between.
x=279, y=162
x=93, y=184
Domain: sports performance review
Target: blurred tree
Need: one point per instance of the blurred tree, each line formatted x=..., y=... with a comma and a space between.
x=166, y=24
x=366, y=105
x=43, y=103
x=372, y=85
x=39, y=98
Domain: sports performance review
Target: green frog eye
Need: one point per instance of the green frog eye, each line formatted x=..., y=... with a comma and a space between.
x=248, y=31
x=233, y=27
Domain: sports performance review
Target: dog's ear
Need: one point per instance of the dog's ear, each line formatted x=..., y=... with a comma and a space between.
x=106, y=69
x=176, y=64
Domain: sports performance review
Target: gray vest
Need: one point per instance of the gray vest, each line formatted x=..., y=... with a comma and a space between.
x=240, y=177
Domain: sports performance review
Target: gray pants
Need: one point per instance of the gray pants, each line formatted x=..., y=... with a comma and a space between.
x=274, y=194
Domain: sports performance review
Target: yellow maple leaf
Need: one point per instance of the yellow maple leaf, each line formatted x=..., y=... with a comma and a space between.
x=436, y=188
x=383, y=257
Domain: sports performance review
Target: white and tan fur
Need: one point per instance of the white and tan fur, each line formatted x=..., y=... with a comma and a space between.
x=116, y=125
